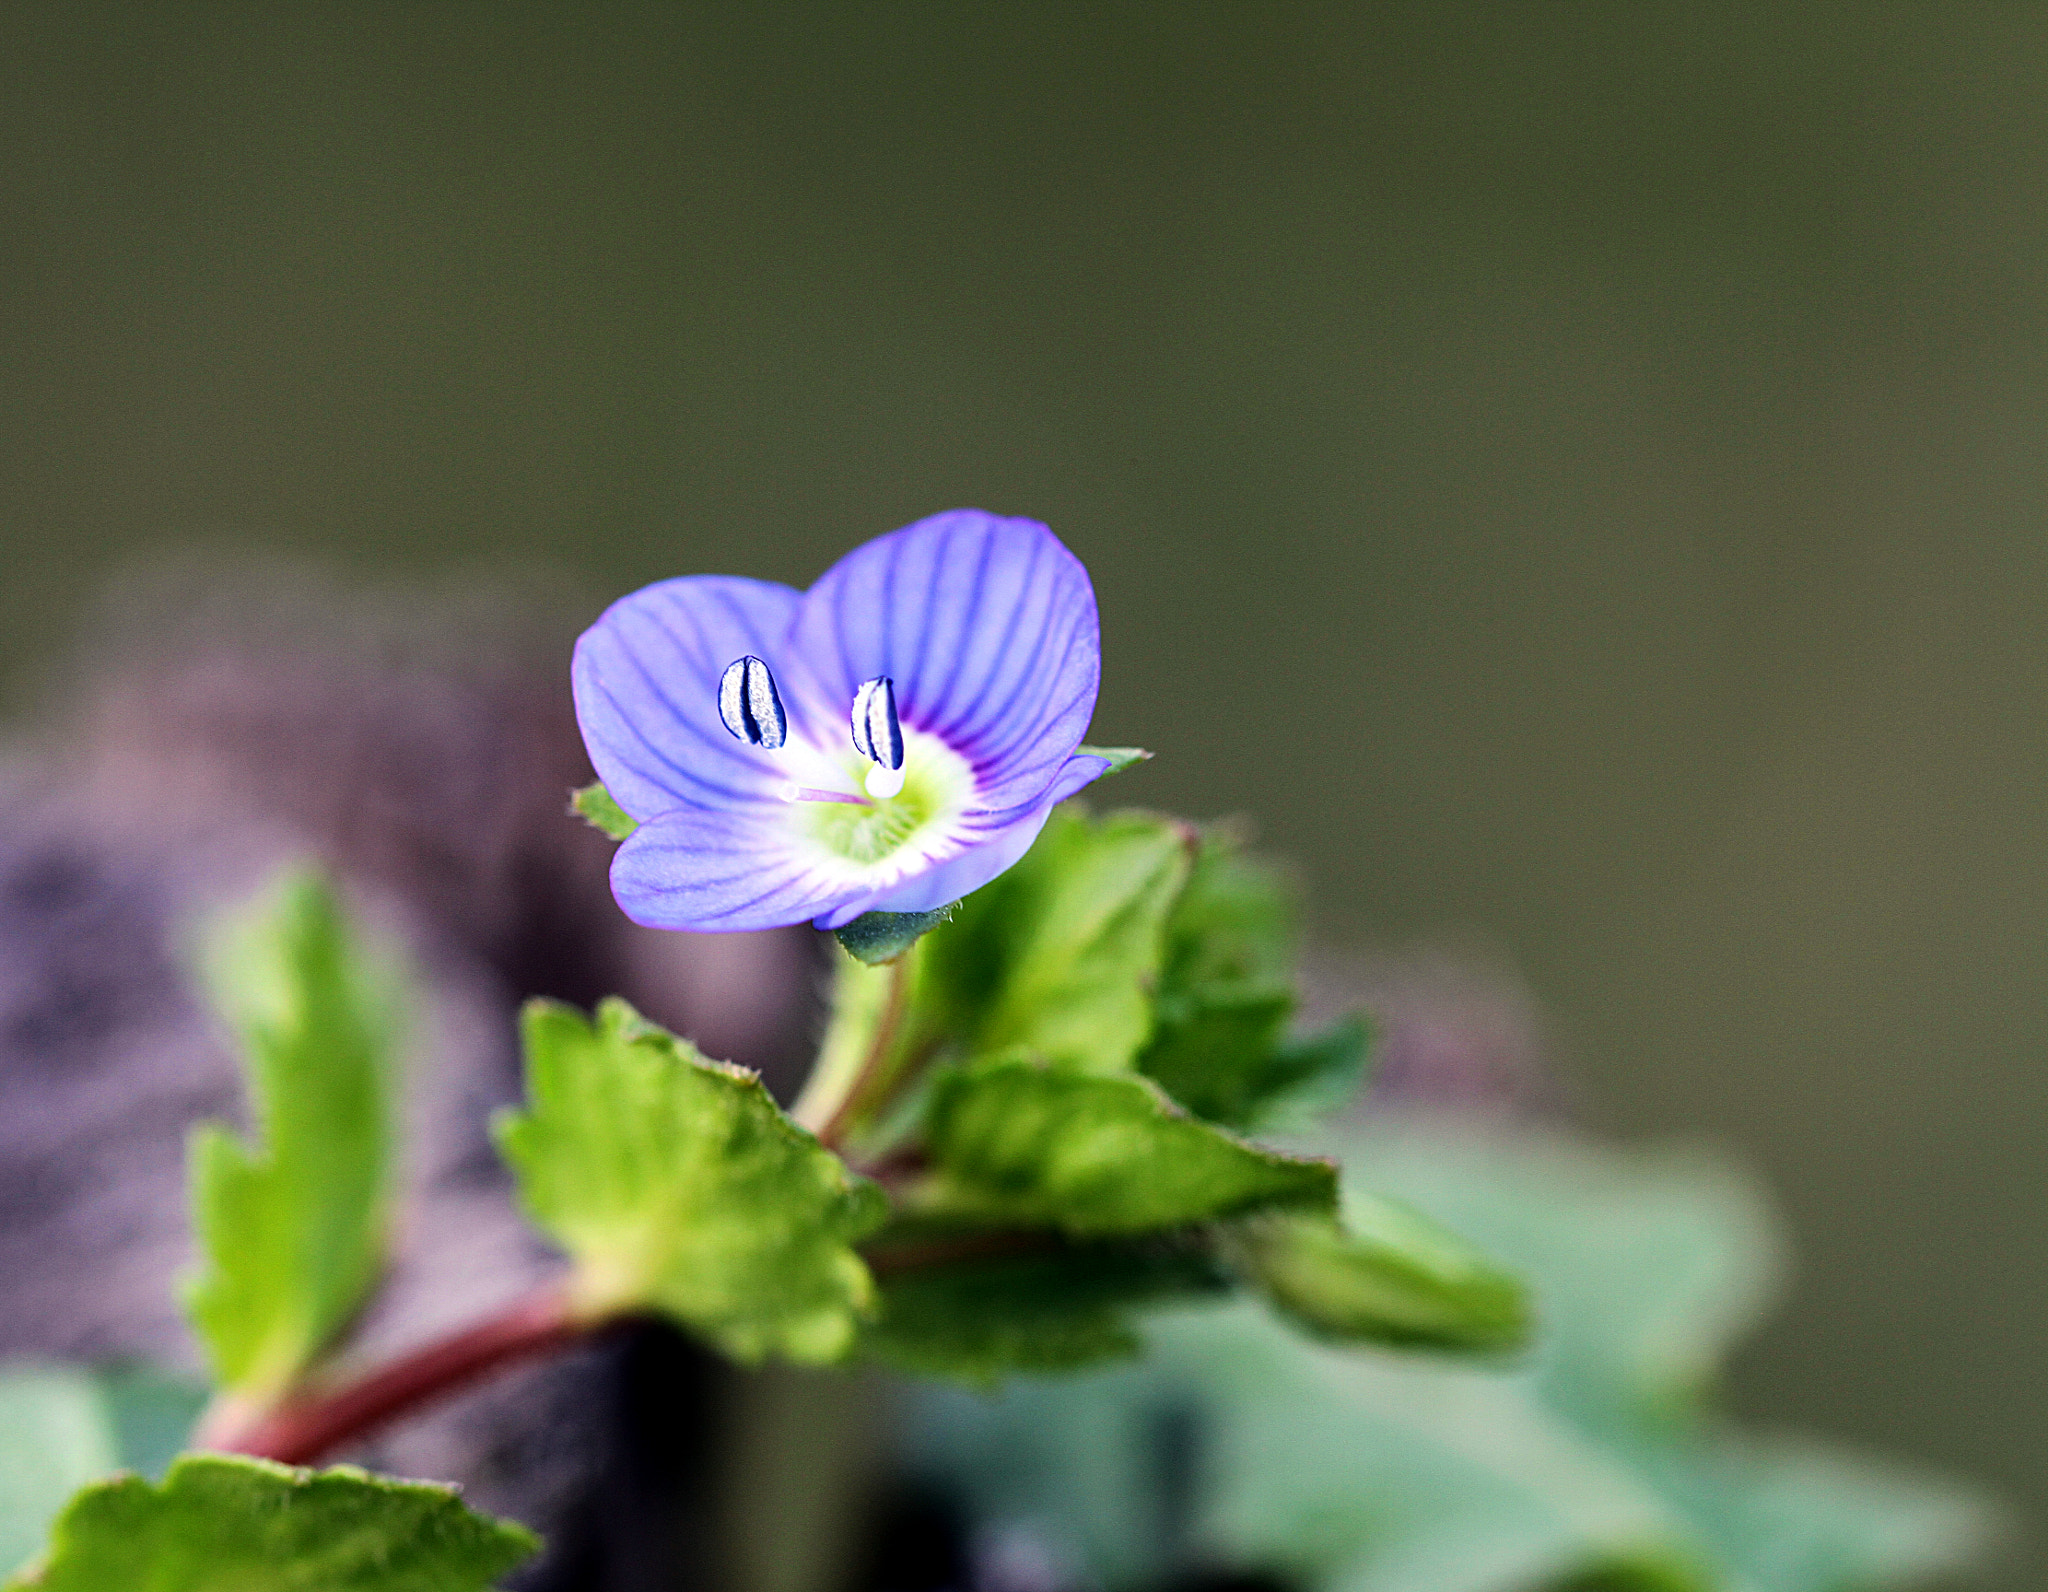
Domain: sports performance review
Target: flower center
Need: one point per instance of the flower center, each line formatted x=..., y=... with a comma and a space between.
x=936, y=784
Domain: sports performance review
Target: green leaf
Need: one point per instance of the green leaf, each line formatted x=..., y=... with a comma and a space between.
x=1235, y=922
x=1057, y=955
x=1036, y=1303
x=222, y=1524
x=878, y=937
x=1118, y=757
x=1011, y=1139
x=291, y=1228
x=676, y=1184
x=1218, y=1051
x=1226, y=992
x=1388, y=1275
x=1308, y=1077
x=595, y=806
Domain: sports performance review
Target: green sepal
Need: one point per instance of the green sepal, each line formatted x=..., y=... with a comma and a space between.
x=292, y=1228
x=221, y=1523
x=595, y=806
x=1119, y=758
x=1011, y=1139
x=1008, y=1302
x=878, y=937
x=677, y=1184
x=1384, y=1274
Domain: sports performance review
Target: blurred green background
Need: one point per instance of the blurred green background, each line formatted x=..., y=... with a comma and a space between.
x=1575, y=474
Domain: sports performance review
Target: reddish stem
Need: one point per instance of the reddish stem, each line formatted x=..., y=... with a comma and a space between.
x=314, y=1421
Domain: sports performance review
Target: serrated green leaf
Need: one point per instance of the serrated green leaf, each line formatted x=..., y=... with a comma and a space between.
x=1036, y=1304
x=1119, y=758
x=1012, y=1139
x=1057, y=955
x=677, y=1184
x=1384, y=1275
x=228, y=1524
x=878, y=937
x=596, y=807
x=291, y=1227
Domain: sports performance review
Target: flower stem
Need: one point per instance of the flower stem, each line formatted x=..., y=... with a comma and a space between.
x=316, y=1420
x=853, y=1068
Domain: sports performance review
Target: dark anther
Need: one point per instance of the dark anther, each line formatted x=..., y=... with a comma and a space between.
x=877, y=732
x=750, y=704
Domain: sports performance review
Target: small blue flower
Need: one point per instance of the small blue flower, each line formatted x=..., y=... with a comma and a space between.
x=887, y=741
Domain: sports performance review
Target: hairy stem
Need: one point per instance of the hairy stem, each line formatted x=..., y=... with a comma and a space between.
x=316, y=1420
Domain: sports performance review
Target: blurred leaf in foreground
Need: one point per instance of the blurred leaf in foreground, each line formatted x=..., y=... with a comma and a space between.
x=1593, y=1463
x=676, y=1184
x=291, y=1227
x=222, y=1524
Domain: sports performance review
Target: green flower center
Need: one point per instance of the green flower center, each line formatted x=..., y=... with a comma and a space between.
x=936, y=784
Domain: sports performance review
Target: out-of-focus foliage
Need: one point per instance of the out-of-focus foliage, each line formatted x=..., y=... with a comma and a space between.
x=291, y=1228
x=677, y=1184
x=62, y=1427
x=228, y=1524
x=1597, y=1461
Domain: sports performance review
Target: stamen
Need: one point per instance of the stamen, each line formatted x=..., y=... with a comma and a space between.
x=877, y=732
x=810, y=793
x=882, y=783
x=750, y=704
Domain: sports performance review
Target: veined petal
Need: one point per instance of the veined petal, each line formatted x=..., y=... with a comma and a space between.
x=646, y=685
x=723, y=871
x=988, y=628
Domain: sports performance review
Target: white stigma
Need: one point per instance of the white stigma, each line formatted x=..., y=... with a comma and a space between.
x=883, y=782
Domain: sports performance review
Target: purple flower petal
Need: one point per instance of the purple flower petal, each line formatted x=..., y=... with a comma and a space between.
x=646, y=684
x=721, y=871
x=988, y=628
